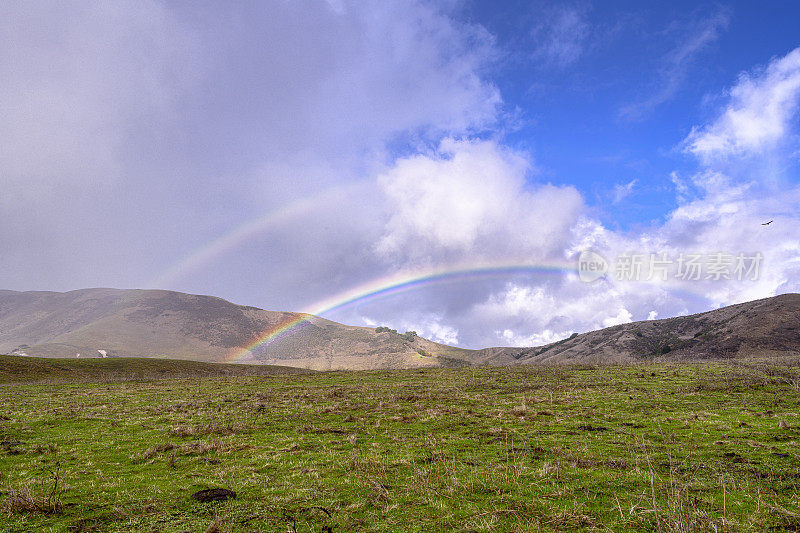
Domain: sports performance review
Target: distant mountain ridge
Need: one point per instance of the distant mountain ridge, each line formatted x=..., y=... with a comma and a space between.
x=762, y=328
x=167, y=324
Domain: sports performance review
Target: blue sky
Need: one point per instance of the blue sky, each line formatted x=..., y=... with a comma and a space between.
x=293, y=155
x=596, y=116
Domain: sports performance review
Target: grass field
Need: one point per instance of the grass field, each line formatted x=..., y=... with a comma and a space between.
x=15, y=369
x=621, y=448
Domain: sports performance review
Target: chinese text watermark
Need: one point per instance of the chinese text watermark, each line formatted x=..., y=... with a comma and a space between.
x=714, y=266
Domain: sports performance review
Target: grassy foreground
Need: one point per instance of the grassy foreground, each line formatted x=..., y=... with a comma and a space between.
x=15, y=369
x=626, y=448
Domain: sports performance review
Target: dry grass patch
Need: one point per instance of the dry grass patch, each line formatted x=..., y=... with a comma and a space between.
x=24, y=499
x=211, y=428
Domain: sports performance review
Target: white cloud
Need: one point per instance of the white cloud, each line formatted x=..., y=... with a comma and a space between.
x=681, y=186
x=740, y=186
x=429, y=326
x=560, y=35
x=443, y=205
x=730, y=220
x=690, y=41
x=758, y=116
x=623, y=316
x=471, y=199
x=550, y=312
x=622, y=191
x=510, y=338
x=439, y=332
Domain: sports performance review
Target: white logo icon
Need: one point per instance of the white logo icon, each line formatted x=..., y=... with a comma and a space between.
x=591, y=266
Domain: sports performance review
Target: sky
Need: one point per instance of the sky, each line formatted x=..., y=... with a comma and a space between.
x=458, y=168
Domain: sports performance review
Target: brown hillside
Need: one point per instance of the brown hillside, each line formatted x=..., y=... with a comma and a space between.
x=761, y=328
x=165, y=324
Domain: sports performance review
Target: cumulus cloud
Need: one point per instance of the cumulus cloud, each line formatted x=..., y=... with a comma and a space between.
x=758, y=116
x=722, y=205
x=730, y=221
x=471, y=199
x=623, y=316
x=432, y=328
x=509, y=337
x=527, y=314
x=428, y=326
x=739, y=185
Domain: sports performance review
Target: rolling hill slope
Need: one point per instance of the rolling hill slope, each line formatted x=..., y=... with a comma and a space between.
x=761, y=328
x=165, y=324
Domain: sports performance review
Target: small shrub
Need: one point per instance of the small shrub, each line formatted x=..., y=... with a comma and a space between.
x=410, y=336
x=23, y=499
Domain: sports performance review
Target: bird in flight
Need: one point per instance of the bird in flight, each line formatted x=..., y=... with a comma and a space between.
x=766, y=223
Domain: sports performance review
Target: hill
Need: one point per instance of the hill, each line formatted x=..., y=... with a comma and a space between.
x=166, y=324
x=757, y=329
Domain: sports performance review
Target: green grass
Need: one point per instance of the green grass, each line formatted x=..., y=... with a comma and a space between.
x=621, y=448
x=15, y=369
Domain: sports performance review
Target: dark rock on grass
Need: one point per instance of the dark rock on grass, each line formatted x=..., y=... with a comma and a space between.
x=589, y=427
x=213, y=495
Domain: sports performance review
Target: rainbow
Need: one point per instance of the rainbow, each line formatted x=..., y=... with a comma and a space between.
x=391, y=285
x=239, y=235
x=376, y=288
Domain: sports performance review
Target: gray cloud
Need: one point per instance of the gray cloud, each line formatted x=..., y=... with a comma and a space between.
x=137, y=132
x=85, y=88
